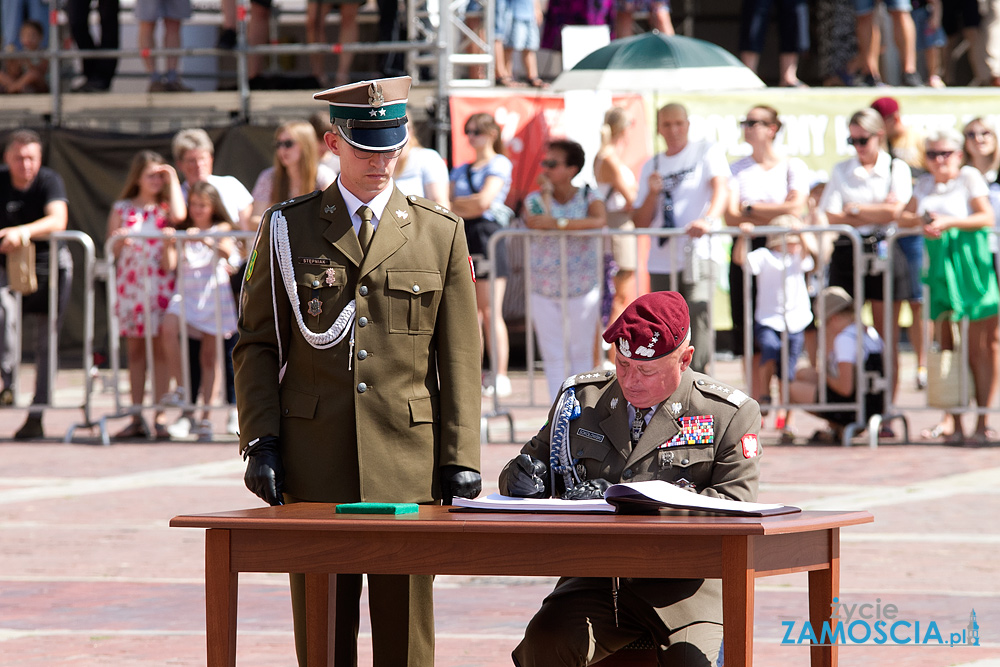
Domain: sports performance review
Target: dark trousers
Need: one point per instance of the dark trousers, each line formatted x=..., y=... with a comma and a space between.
x=97, y=70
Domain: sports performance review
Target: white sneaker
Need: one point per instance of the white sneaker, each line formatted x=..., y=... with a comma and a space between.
x=203, y=430
x=233, y=423
x=181, y=428
x=503, y=387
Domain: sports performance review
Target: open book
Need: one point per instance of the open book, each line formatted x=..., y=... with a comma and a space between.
x=628, y=498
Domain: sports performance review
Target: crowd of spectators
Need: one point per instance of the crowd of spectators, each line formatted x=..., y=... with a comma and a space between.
x=848, y=50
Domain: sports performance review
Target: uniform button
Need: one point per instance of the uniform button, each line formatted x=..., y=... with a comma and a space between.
x=362, y=387
x=363, y=290
x=701, y=382
x=286, y=411
x=627, y=474
x=363, y=322
x=579, y=452
x=416, y=288
x=684, y=462
x=315, y=283
x=362, y=354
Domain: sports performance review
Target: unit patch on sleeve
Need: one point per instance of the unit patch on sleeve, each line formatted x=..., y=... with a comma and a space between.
x=750, y=446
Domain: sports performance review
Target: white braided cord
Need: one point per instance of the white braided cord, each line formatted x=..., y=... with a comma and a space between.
x=283, y=255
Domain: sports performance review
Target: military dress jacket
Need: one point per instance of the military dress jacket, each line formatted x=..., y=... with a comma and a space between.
x=373, y=416
x=704, y=434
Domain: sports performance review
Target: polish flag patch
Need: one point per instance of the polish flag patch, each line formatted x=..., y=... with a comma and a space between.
x=750, y=446
x=472, y=268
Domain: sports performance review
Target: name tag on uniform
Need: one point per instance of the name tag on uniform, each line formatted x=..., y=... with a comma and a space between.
x=695, y=430
x=315, y=261
x=589, y=435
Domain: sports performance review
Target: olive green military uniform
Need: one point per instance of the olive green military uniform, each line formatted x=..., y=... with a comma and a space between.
x=371, y=415
x=703, y=434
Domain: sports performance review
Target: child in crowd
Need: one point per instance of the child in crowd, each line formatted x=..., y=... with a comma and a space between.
x=204, y=295
x=150, y=202
x=782, y=299
x=930, y=38
x=26, y=75
x=517, y=27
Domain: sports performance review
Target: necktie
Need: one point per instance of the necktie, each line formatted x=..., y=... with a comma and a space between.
x=638, y=424
x=367, y=229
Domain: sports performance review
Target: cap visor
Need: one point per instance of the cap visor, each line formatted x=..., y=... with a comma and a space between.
x=376, y=140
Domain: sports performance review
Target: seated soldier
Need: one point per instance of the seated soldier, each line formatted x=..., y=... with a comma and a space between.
x=836, y=306
x=653, y=418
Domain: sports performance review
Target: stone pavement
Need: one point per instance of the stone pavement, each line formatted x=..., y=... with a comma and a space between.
x=90, y=573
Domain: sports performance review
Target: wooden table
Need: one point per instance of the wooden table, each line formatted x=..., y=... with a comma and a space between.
x=311, y=538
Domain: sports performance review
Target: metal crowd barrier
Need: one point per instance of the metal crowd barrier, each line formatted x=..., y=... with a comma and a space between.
x=56, y=241
x=864, y=380
x=114, y=332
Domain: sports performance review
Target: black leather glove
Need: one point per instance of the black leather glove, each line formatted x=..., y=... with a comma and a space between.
x=526, y=477
x=265, y=474
x=592, y=489
x=459, y=481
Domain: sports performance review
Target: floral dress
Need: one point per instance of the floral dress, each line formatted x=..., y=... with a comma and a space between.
x=141, y=280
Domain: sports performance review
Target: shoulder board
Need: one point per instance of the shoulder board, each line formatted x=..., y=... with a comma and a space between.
x=293, y=201
x=433, y=206
x=721, y=391
x=594, y=377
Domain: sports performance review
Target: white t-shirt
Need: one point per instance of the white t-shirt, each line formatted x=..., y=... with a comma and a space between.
x=850, y=182
x=235, y=197
x=782, y=295
x=423, y=167
x=688, y=177
x=845, y=347
x=770, y=186
x=951, y=198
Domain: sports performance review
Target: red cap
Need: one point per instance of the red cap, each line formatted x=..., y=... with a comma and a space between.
x=886, y=106
x=652, y=326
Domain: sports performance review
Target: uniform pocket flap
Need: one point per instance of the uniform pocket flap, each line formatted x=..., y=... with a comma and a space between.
x=298, y=404
x=586, y=445
x=685, y=456
x=422, y=410
x=414, y=282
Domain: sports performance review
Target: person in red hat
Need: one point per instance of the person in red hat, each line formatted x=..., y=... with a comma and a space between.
x=653, y=418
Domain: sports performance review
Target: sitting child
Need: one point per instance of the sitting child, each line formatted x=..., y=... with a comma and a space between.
x=842, y=331
x=26, y=75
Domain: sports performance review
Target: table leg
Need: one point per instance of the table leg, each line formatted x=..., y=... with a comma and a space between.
x=824, y=585
x=738, y=572
x=221, y=586
x=321, y=618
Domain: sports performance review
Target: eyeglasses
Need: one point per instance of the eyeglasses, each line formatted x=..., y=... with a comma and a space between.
x=550, y=164
x=752, y=122
x=972, y=134
x=368, y=155
x=934, y=155
x=472, y=132
x=287, y=143
x=858, y=141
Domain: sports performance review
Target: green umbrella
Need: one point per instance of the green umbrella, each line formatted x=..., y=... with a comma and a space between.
x=656, y=62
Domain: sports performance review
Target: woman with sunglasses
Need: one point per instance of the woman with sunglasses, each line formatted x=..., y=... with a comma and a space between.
x=983, y=153
x=868, y=192
x=296, y=170
x=764, y=185
x=478, y=192
x=951, y=204
x=560, y=206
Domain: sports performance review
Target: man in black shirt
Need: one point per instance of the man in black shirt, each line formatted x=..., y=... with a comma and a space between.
x=32, y=206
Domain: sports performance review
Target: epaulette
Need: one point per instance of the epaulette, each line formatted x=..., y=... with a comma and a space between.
x=291, y=202
x=431, y=206
x=593, y=377
x=721, y=391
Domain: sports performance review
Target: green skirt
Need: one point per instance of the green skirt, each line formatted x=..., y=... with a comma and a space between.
x=960, y=275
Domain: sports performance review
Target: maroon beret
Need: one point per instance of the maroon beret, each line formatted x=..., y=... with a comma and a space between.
x=650, y=327
x=886, y=106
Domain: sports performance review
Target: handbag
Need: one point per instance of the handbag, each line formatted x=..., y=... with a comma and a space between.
x=944, y=375
x=21, y=276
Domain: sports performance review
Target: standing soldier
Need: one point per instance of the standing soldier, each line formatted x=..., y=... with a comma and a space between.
x=357, y=367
